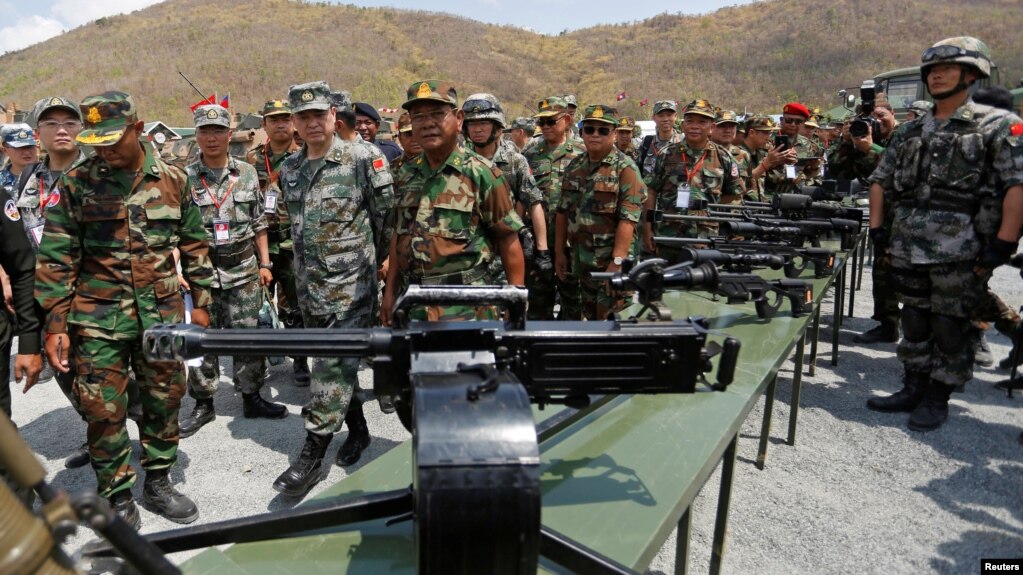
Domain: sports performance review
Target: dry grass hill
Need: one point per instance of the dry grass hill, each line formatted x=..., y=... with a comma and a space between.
x=755, y=56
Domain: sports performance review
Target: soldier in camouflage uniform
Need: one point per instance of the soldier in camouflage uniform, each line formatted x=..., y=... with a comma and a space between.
x=918, y=109
x=802, y=157
x=955, y=179
x=601, y=204
x=106, y=272
x=521, y=132
x=232, y=207
x=625, y=140
x=664, y=114
x=726, y=124
x=454, y=211
x=338, y=195
x=19, y=145
x=763, y=157
x=548, y=161
x=482, y=127
x=409, y=146
x=267, y=158
x=688, y=174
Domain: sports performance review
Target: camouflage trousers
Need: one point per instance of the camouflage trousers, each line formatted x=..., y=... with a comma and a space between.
x=101, y=388
x=333, y=379
x=545, y=289
x=236, y=307
x=886, y=303
x=596, y=303
x=952, y=290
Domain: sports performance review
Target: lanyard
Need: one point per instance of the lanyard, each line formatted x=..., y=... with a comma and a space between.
x=696, y=168
x=44, y=194
x=271, y=176
x=230, y=184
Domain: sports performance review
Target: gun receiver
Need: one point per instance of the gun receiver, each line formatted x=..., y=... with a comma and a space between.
x=796, y=259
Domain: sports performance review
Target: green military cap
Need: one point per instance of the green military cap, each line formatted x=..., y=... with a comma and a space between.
x=211, y=115
x=404, y=123
x=627, y=123
x=551, y=106
x=106, y=117
x=523, y=123
x=700, y=107
x=309, y=96
x=662, y=105
x=601, y=113
x=570, y=101
x=434, y=90
x=342, y=100
x=762, y=123
x=276, y=108
x=726, y=117
x=53, y=102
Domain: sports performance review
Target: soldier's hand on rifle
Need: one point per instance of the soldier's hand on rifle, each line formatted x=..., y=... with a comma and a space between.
x=200, y=317
x=30, y=365
x=57, y=347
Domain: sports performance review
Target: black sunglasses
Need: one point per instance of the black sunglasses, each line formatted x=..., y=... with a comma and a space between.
x=602, y=130
x=544, y=122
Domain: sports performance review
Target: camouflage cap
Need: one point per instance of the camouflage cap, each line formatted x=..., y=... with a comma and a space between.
x=106, y=117
x=700, y=107
x=726, y=117
x=601, y=113
x=627, y=123
x=404, y=123
x=551, y=106
x=53, y=102
x=762, y=123
x=17, y=135
x=211, y=115
x=342, y=100
x=434, y=90
x=523, y=123
x=276, y=108
x=570, y=101
x=309, y=96
x=812, y=123
x=662, y=105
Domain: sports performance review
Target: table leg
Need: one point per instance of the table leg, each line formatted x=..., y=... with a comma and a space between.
x=682, y=543
x=854, y=261
x=797, y=386
x=717, y=553
x=765, y=428
x=813, y=342
x=836, y=322
x=863, y=259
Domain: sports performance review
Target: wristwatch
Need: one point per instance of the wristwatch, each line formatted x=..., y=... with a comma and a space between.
x=618, y=260
x=266, y=266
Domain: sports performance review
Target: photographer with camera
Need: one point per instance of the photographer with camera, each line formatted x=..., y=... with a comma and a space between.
x=854, y=157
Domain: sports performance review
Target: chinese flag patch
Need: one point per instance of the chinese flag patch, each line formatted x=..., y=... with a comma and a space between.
x=378, y=164
x=1016, y=129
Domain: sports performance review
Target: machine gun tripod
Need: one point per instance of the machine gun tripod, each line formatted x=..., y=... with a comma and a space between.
x=464, y=389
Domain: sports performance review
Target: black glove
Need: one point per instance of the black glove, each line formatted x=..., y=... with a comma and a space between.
x=543, y=261
x=996, y=253
x=880, y=238
x=527, y=241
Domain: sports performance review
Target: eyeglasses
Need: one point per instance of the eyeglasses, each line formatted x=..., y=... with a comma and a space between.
x=602, y=130
x=69, y=125
x=796, y=121
x=436, y=117
x=546, y=122
x=947, y=51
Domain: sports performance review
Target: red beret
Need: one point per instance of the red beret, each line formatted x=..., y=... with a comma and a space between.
x=797, y=109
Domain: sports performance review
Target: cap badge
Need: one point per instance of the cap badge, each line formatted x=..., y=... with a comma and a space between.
x=598, y=112
x=307, y=96
x=212, y=114
x=94, y=116
x=424, y=91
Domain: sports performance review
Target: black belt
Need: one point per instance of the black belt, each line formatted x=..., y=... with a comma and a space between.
x=229, y=256
x=945, y=204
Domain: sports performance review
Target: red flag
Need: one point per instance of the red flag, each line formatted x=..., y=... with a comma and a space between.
x=211, y=100
x=225, y=102
x=621, y=96
x=644, y=101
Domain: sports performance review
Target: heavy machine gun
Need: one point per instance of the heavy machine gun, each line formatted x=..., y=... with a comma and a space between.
x=796, y=259
x=464, y=390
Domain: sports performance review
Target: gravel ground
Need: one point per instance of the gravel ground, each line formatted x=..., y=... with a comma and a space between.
x=858, y=493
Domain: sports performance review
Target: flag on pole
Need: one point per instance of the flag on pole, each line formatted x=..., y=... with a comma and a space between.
x=225, y=102
x=644, y=101
x=621, y=96
x=212, y=99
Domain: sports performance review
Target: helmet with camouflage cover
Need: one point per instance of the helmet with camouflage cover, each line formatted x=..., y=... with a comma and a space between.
x=965, y=50
x=484, y=106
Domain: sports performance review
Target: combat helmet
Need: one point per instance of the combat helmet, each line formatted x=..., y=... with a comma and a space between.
x=965, y=50
x=484, y=106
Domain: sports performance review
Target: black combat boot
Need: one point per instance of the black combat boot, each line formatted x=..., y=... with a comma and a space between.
x=301, y=372
x=79, y=458
x=253, y=405
x=358, y=435
x=161, y=498
x=906, y=399
x=298, y=479
x=884, y=333
x=933, y=410
x=201, y=415
x=124, y=505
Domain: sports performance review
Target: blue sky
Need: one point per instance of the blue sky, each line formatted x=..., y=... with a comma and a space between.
x=27, y=22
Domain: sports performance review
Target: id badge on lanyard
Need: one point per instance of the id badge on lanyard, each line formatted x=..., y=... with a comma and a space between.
x=270, y=206
x=682, y=198
x=221, y=231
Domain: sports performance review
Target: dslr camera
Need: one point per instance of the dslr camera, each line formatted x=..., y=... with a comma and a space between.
x=865, y=121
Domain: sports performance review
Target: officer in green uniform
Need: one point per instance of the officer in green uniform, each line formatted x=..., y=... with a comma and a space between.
x=106, y=272
x=625, y=139
x=454, y=210
x=228, y=196
x=267, y=158
x=410, y=148
x=601, y=204
x=726, y=124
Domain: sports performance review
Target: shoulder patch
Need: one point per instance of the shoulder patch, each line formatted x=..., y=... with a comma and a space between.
x=11, y=211
x=735, y=170
x=54, y=198
x=378, y=164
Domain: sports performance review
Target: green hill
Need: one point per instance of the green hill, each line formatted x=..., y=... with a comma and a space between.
x=755, y=56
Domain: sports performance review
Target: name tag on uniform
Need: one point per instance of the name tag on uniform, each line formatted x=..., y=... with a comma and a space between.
x=682, y=199
x=271, y=203
x=221, y=231
x=36, y=232
x=790, y=172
